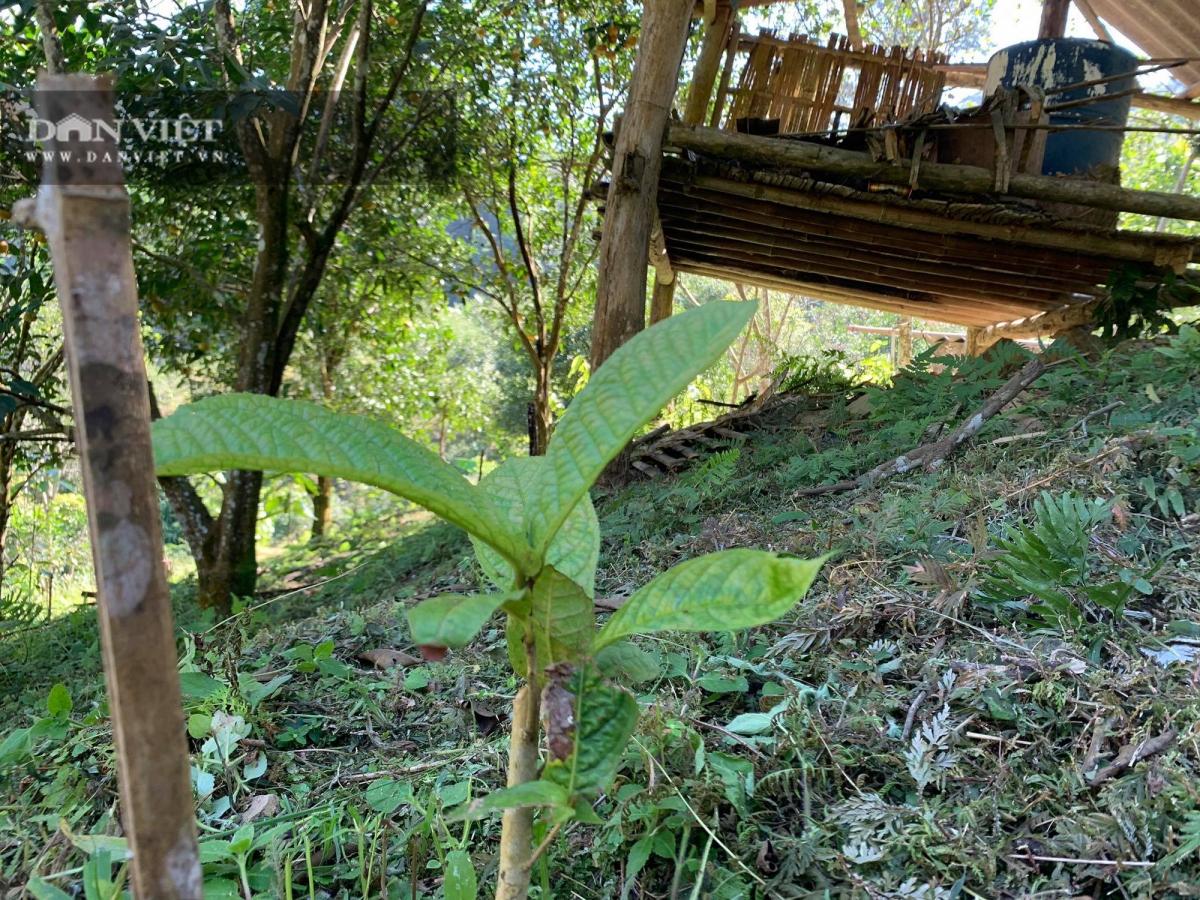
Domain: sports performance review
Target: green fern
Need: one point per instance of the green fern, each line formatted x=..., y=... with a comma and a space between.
x=1046, y=569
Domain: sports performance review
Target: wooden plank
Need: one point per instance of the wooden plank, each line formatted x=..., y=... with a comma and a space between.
x=84, y=210
x=637, y=158
x=970, y=258
x=1049, y=267
x=932, y=310
x=1021, y=274
x=807, y=157
x=1133, y=246
x=855, y=276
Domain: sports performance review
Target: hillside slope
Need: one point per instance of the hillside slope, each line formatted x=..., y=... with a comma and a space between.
x=992, y=691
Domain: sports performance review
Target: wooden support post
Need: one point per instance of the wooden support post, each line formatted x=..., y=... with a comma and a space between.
x=974, y=341
x=853, y=31
x=632, y=194
x=83, y=209
x=708, y=65
x=1054, y=18
x=1097, y=24
x=662, y=303
x=904, y=342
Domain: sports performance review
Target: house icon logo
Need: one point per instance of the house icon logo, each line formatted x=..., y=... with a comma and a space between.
x=72, y=128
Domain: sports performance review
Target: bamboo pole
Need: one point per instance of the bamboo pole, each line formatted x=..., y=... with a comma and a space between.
x=708, y=65
x=637, y=159
x=83, y=209
x=801, y=156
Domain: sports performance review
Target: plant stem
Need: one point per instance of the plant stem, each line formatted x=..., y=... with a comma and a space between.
x=543, y=845
x=516, y=832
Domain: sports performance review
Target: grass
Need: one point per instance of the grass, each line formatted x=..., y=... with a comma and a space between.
x=909, y=732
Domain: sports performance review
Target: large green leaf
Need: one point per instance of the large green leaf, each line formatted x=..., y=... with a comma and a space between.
x=249, y=431
x=623, y=395
x=720, y=592
x=604, y=717
x=575, y=548
x=563, y=619
x=452, y=620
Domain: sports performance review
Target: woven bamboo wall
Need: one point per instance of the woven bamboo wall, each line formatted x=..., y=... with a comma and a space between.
x=802, y=83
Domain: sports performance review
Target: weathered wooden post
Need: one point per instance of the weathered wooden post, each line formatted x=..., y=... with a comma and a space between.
x=83, y=209
x=637, y=161
x=708, y=64
x=904, y=342
x=1054, y=18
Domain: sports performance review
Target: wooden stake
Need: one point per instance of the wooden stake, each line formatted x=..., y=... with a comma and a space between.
x=637, y=159
x=84, y=211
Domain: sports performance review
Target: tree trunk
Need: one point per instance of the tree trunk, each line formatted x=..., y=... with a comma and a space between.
x=322, y=508
x=637, y=160
x=542, y=419
x=8, y=452
x=227, y=566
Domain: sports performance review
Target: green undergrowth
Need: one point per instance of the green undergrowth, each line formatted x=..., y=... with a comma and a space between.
x=958, y=708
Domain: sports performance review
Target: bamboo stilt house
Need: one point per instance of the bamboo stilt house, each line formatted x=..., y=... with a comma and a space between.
x=833, y=170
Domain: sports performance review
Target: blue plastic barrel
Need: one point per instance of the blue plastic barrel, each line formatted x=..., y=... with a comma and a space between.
x=1056, y=63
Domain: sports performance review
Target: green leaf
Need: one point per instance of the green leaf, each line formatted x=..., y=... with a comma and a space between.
x=44, y=890
x=627, y=663
x=563, y=619
x=198, y=725
x=574, y=550
x=58, y=704
x=604, y=718
x=198, y=686
x=532, y=793
x=459, y=882
x=723, y=591
x=387, y=795
x=737, y=775
x=623, y=395
x=249, y=431
x=243, y=839
x=750, y=723
x=452, y=620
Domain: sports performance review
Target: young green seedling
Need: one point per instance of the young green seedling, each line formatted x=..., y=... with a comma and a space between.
x=536, y=536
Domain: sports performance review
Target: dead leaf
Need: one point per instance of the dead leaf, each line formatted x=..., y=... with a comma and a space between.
x=766, y=858
x=486, y=720
x=383, y=658
x=432, y=652
x=260, y=806
x=558, y=712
